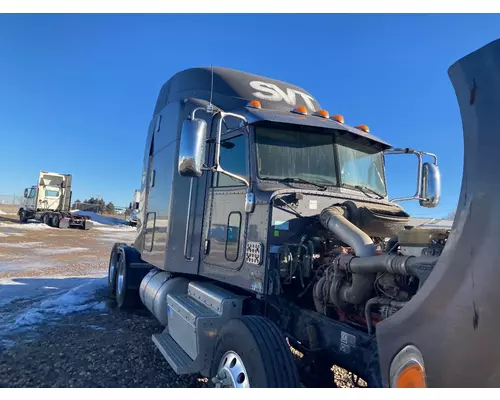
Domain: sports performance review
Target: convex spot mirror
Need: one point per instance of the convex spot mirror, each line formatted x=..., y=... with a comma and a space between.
x=192, y=148
x=431, y=186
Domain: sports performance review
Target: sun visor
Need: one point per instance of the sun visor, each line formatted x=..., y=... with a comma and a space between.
x=256, y=116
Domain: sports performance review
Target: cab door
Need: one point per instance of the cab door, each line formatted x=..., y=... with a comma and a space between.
x=225, y=216
x=30, y=199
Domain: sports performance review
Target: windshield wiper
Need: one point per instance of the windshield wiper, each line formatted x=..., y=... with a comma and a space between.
x=301, y=180
x=363, y=189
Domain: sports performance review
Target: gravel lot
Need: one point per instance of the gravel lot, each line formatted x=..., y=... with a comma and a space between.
x=58, y=328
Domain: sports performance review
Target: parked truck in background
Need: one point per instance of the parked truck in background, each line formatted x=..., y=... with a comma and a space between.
x=261, y=226
x=49, y=201
x=134, y=208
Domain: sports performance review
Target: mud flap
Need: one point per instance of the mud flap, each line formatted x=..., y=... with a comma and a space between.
x=64, y=223
x=88, y=224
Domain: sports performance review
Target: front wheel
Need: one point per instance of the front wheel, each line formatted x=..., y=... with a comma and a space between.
x=22, y=216
x=252, y=352
x=126, y=298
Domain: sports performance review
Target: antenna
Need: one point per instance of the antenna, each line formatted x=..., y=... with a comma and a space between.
x=210, y=107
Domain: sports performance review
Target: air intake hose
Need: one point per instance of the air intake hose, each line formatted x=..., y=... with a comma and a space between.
x=334, y=218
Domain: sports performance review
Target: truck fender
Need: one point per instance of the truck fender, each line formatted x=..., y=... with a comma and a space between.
x=137, y=269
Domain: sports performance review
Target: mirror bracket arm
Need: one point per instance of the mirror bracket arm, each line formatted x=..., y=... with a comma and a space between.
x=219, y=169
x=206, y=109
x=419, y=154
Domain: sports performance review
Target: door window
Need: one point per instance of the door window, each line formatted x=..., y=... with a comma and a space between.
x=233, y=158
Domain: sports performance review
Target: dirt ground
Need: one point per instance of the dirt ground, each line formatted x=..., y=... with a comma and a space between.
x=35, y=249
x=58, y=327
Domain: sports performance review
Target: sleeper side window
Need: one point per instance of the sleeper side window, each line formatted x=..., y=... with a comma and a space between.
x=51, y=193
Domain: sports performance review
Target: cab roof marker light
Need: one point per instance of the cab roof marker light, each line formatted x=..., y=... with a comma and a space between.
x=300, y=110
x=363, y=128
x=339, y=118
x=254, y=104
x=322, y=114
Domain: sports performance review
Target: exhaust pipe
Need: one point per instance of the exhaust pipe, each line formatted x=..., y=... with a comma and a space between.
x=364, y=266
x=421, y=267
x=334, y=219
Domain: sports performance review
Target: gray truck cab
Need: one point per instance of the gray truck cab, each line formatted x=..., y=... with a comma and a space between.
x=261, y=212
x=265, y=156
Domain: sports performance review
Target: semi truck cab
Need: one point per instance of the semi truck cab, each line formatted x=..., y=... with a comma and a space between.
x=50, y=202
x=263, y=212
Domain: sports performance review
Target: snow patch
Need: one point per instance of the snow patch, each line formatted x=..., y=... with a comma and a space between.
x=21, y=245
x=7, y=344
x=95, y=327
x=28, y=226
x=77, y=299
x=123, y=228
x=3, y=212
x=9, y=232
x=101, y=219
x=61, y=250
x=25, y=264
x=127, y=236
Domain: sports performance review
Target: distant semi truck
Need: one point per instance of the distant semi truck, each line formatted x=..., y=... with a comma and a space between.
x=134, y=208
x=49, y=201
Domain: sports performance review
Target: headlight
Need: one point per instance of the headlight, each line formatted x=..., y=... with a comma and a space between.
x=407, y=369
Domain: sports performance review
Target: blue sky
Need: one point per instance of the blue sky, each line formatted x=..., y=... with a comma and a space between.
x=77, y=91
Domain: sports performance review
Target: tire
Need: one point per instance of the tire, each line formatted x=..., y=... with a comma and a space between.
x=22, y=216
x=55, y=221
x=46, y=219
x=125, y=298
x=112, y=268
x=262, y=350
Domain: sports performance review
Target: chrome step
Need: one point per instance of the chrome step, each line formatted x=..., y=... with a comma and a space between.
x=194, y=321
x=178, y=359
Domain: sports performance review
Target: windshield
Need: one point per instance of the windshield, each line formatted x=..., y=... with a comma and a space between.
x=361, y=168
x=283, y=153
x=288, y=153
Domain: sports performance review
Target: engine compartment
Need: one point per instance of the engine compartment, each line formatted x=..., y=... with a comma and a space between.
x=354, y=262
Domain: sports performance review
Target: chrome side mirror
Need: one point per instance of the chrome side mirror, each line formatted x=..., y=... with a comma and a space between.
x=25, y=193
x=431, y=186
x=192, y=148
x=428, y=182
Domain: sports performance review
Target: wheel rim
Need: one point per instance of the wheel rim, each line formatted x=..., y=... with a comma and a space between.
x=121, y=279
x=231, y=372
